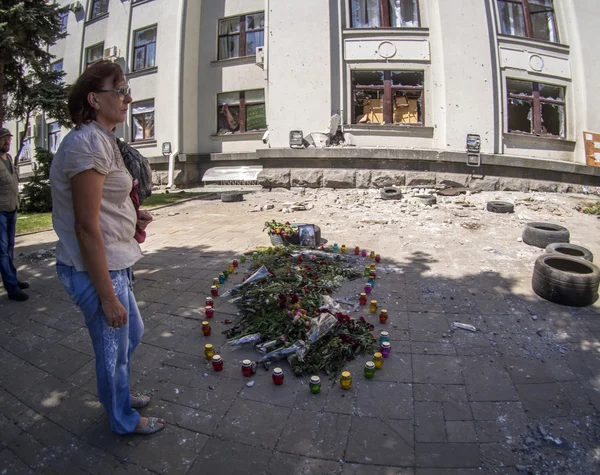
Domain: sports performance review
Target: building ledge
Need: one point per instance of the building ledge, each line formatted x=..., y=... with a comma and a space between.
x=547, y=46
x=540, y=142
x=363, y=155
x=140, y=2
x=387, y=32
x=220, y=157
x=234, y=61
x=144, y=144
x=254, y=135
x=390, y=130
x=142, y=72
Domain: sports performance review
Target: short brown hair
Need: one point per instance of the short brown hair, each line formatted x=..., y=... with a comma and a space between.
x=92, y=79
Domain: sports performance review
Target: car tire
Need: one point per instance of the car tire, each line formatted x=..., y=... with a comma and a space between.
x=390, y=193
x=500, y=207
x=566, y=280
x=570, y=250
x=542, y=234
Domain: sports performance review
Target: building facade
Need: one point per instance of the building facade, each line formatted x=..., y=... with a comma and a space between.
x=408, y=79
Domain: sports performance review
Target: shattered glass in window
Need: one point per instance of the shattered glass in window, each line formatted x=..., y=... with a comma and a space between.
x=368, y=106
x=404, y=13
x=407, y=78
x=520, y=116
x=553, y=119
x=407, y=107
x=523, y=88
x=555, y=93
x=512, y=20
x=229, y=26
x=255, y=22
x=367, y=78
x=365, y=13
x=229, y=112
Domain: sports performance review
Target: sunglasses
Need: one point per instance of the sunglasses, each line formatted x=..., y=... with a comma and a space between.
x=122, y=91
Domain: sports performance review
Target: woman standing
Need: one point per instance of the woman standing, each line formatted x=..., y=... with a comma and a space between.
x=94, y=218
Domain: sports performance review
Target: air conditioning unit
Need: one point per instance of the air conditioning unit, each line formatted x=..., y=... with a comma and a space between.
x=260, y=57
x=111, y=52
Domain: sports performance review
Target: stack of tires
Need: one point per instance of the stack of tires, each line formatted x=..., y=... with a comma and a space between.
x=565, y=274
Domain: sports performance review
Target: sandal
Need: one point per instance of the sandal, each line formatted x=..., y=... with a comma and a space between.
x=154, y=425
x=139, y=401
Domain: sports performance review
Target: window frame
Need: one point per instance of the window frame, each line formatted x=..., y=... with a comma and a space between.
x=88, y=49
x=133, y=68
x=64, y=21
x=53, y=133
x=57, y=62
x=26, y=152
x=242, y=43
x=103, y=8
x=242, y=112
x=536, y=108
x=385, y=15
x=387, y=102
x=528, y=21
x=133, y=129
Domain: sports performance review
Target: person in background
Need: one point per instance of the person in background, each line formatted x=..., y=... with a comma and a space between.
x=9, y=202
x=95, y=220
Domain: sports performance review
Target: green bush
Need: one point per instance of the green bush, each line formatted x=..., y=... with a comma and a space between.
x=36, y=196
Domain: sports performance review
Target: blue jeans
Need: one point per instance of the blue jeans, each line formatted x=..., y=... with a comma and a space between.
x=8, y=223
x=113, y=347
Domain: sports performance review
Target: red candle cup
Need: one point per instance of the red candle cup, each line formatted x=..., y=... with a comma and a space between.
x=217, y=363
x=377, y=258
x=356, y=251
x=236, y=263
x=247, y=368
x=214, y=291
x=209, y=312
x=278, y=376
x=362, y=299
x=206, y=328
x=209, y=301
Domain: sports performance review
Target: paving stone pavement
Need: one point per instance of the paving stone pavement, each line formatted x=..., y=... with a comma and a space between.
x=522, y=393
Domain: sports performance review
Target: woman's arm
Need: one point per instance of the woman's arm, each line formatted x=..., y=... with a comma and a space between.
x=86, y=190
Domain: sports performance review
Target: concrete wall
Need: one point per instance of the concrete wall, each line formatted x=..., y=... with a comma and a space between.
x=299, y=70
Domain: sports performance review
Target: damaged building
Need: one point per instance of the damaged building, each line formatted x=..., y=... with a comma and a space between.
x=349, y=93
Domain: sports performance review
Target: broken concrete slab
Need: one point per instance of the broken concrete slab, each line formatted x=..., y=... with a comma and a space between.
x=337, y=178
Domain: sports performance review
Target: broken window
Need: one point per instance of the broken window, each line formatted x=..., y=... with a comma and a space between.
x=240, y=36
x=387, y=97
x=242, y=111
x=384, y=13
x=528, y=18
x=535, y=108
x=142, y=118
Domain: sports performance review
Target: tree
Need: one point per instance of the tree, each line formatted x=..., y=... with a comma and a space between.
x=36, y=196
x=27, y=83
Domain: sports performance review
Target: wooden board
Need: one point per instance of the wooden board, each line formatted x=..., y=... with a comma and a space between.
x=592, y=149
